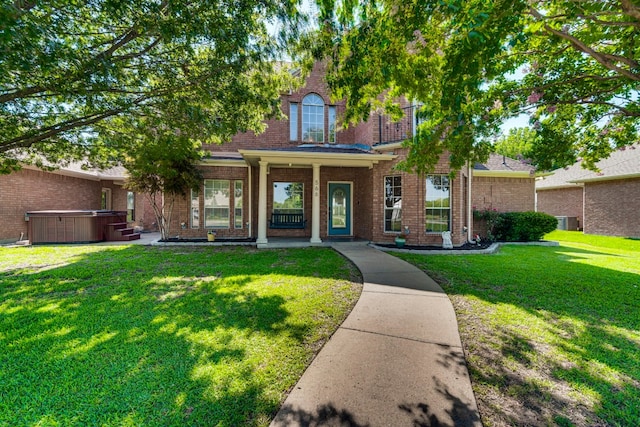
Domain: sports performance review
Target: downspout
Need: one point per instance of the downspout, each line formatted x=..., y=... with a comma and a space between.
x=250, y=197
x=469, y=206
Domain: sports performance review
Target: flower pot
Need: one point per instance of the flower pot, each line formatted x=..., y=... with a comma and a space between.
x=400, y=242
x=211, y=237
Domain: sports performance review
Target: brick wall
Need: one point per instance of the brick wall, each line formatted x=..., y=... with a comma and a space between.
x=181, y=213
x=502, y=195
x=413, y=197
x=612, y=208
x=32, y=190
x=277, y=134
x=360, y=178
x=561, y=202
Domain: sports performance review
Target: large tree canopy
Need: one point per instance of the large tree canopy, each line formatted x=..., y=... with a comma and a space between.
x=572, y=65
x=70, y=69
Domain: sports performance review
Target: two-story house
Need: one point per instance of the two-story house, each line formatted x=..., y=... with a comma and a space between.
x=304, y=177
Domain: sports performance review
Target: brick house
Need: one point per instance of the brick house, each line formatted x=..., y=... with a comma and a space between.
x=606, y=202
x=304, y=177
x=69, y=188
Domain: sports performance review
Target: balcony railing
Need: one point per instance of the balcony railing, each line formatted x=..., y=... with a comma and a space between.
x=397, y=131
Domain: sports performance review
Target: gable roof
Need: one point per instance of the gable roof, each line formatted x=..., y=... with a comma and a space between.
x=621, y=164
x=498, y=165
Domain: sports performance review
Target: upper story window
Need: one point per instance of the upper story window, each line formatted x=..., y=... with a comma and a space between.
x=313, y=118
x=332, y=124
x=293, y=121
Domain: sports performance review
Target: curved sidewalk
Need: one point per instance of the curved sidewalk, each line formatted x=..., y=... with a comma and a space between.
x=396, y=360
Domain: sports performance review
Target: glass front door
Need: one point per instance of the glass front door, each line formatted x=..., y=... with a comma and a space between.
x=339, y=209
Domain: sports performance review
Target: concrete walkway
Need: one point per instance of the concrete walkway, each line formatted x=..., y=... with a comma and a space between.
x=396, y=360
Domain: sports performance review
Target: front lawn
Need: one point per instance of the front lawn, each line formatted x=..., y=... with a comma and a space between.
x=132, y=335
x=551, y=334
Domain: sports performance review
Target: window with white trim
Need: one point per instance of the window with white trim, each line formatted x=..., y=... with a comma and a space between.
x=237, y=203
x=216, y=203
x=437, y=204
x=131, y=206
x=293, y=121
x=195, y=209
x=313, y=118
x=332, y=124
x=105, y=199
x=393, y=203
x=288, y=197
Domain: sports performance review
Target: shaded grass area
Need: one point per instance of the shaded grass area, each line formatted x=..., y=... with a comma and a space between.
x=551, y=334
x=132, y=335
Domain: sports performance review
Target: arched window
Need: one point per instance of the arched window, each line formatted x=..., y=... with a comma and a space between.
x=313, y=118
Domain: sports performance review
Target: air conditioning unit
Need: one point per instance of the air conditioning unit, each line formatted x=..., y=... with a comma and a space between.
x=562, y=222
x=569, y=223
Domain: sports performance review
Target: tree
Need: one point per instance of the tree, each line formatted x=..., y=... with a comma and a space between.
x=464, y=60
x=163, y=166
x=69, y=70
x=518, y=143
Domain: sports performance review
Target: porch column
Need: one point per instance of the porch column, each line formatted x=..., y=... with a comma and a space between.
x=262, y=205
x=315, y=206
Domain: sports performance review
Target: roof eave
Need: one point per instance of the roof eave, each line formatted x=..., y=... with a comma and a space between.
x=223, y=162
x=606, y=178
x=309, y=158
x=88, y=175
x=502, y=174
x=558, y=187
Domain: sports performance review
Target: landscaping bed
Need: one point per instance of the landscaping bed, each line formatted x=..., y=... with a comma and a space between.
x=466, y=247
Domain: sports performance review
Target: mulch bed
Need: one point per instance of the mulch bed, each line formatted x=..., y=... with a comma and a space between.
x=466, y=247
x=219, y=240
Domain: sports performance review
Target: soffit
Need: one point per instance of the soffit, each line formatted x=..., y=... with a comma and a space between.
x=309, y=158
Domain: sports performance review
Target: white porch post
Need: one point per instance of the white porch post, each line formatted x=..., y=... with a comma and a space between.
x=315, y=206
x=262, y=205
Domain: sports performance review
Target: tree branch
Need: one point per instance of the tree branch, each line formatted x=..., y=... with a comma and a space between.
x=28, y=140
x=603, y=59
x=23, y=93
x=622, y=109
x=630, y=9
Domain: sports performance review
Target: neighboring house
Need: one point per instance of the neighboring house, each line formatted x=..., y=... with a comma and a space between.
x=303, y=177
x=606, y=202
x=69, y=188
x=501, y=184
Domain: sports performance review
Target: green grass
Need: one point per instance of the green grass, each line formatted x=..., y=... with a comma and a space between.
x=131, y=335
x=551, y=334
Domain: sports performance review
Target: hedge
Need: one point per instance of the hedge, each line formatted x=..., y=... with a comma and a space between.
x=522, y=226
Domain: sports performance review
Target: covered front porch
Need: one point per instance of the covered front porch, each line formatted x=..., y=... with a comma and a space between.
x=340, y=190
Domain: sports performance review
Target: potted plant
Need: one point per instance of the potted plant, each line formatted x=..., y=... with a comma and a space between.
x=401, y=239
x=211, y=236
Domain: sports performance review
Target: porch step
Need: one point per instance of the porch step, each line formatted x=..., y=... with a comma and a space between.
x=118, y=231
x=129, y=237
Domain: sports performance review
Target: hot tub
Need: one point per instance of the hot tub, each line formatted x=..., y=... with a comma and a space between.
x=71, y=226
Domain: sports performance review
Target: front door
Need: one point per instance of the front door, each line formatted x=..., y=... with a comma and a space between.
x=339, y=209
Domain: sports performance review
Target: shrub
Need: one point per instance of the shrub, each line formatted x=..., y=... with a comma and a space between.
x=523, y=226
